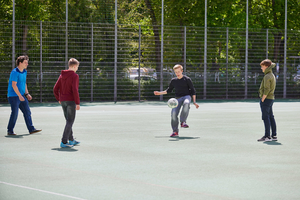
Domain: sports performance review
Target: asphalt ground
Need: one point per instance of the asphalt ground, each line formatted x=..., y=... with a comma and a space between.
x=126, y=153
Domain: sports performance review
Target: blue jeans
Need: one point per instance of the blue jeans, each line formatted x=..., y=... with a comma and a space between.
x=185, y=103
x=268, y=117
x=69, y=108
x=15, y=104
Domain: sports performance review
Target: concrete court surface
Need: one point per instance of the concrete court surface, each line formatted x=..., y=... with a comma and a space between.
x=126, y=153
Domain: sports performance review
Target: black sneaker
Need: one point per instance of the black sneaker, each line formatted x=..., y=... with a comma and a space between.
x=274, y=138
x=265, y=139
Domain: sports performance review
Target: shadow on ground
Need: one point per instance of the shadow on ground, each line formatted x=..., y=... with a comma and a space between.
x=65, y=149
x=273, y=143
x=183, y=138
x=178, y=138
x=16, y=136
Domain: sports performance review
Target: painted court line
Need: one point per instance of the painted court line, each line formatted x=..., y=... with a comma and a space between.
x=44, y=191
x=114, y=178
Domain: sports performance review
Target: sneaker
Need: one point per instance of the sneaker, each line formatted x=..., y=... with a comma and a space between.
x=35, y=131
x=274, y=138
x=11, y=133
x=174, y=134
x=74, y=142
x=184, y=125
x=265, y=139
x=67, y=145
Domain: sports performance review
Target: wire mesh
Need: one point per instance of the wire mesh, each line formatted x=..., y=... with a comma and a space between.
x=49, y=45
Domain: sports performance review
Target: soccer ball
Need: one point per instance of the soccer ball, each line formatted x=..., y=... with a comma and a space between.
x=172, y=103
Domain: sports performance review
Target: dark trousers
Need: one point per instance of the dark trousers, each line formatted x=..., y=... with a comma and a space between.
x=69, y=108
x=268, y=117
x=15, y=104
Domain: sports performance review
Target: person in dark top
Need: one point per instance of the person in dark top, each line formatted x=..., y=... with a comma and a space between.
x=184, y=93
x=66, y=93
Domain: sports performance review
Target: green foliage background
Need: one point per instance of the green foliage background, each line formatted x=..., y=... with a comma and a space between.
x=221, y=14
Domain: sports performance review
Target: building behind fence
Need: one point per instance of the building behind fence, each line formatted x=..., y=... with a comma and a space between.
x=132, y=71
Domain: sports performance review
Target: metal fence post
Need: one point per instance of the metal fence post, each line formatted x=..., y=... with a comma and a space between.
x=285, y=44
x=205, y=52
x=13, y=37
x=184, y=50
x=227, y=35
x=246, y=55
x=139, y=72
x=92, y=62
x=66, y=51
x=267, y=44
x=162, y=50
x=116, y=52
x=41, y=61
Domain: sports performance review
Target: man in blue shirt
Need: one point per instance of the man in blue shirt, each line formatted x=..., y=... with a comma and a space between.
x=184, y=93
x=18, y=96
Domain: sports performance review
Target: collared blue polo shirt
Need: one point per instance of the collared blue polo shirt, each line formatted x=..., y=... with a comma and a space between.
x=19, y=77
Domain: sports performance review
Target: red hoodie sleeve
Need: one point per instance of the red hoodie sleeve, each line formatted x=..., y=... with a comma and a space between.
x=75, y=89
x=56, y=88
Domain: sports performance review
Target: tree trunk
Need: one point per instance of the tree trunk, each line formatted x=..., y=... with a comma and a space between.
x=24, y=40
x=156, y=35
x=182, y=39
x=278, y=35
x=277, y=42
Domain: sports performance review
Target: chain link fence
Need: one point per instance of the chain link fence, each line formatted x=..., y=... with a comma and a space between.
x=123, y=62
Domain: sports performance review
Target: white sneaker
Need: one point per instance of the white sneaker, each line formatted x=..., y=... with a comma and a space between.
x=274, y=138
x=265, y=139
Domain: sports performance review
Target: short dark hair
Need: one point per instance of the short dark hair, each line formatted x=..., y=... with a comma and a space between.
x=73, y=61
x=266, y=62
x=21, y=59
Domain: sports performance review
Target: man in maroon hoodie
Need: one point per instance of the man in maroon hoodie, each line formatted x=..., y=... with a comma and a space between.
x=66, y=93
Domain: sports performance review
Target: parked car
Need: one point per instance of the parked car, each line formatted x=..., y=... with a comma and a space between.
x=297, y=78
x=145, y=78
x=134, y=72
x=145, y=73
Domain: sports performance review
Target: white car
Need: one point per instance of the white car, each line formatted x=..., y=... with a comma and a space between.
x=297, y=78
x=145, y=78
x=134, y=72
